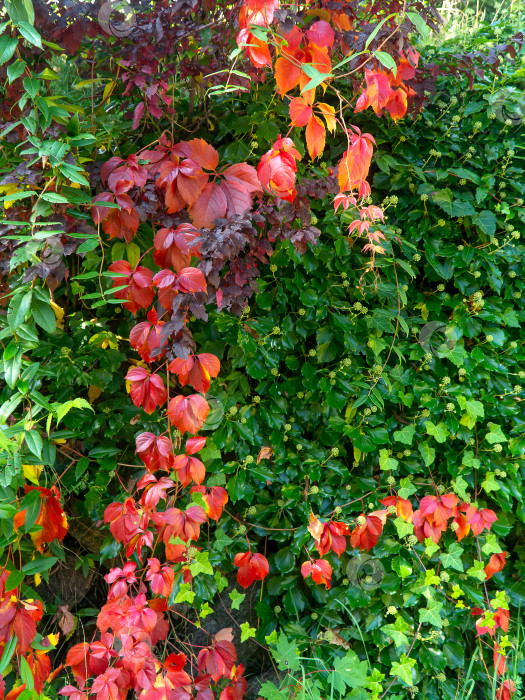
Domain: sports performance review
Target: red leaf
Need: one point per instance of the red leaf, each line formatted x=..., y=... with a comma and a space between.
x=210, y=205
x=188, y=413
x=197, y=370
x=199, y=151
x=252, y=567
x=147, y=390
x=243, y=174
x=397, y=104
x=378, y=92
x=175, y=246
x=321, y=34
x=215, y=500
x=166, y=283
x=194, y=444
x=51, y=518
x=495, y=565
x=154, y=451
x=190, y=279
x=189, y=469
x=145, y=337
x=320, y=570
x=276, y=171
x=365, y=536
x=138, y=113
x=354, y=166
x=24, y=627
x=139, y=291
x=238, y=199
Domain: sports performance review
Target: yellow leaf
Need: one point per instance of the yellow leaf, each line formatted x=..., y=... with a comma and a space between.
x=322, y=14
x=93, y=393
x=59, y=313
x=53, y=638
x=328, y=113
x=108, y=90
x=32, y=472
x=38, y=579
x=60, y=441
x=357, y=454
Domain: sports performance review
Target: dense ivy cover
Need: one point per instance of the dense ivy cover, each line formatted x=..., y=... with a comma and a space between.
x=366, y=423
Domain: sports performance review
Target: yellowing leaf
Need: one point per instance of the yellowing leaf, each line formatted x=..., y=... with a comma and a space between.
x=59, y=313
x=94, y=392
x=328, y=113
x=108, y=90
x=32, y=472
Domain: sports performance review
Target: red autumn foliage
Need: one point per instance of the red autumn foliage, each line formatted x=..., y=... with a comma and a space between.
x=197, y=370
x=277, y=169
x=495, y=565
x=174, y=247
x=215, y=499
x=154, y=451
x=188, y=413
x=320, y=570
x=138, y=291
x=252, y=567
x=51, y=517
x=145, y=337
x=147, y=390
x=121, y=222
x=365, y=536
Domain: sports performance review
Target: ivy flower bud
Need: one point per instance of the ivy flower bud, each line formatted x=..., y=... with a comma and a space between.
x=391, y=610
x=361, y=520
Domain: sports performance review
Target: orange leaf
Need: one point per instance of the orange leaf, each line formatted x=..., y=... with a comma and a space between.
x=328, y=113
x=287, y=75
x=300, y=111
x=188, y=413
x=315, y=136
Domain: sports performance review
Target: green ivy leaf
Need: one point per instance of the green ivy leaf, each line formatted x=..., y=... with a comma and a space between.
x=386, y=462
x=439, y=432
x=451, y=559
x=403, y=669
x=431, y=614
x=247, y=631
x=403, y=528
x=286, y=654
x=406, y=435
x=428, y=453
x=491, y=545
x=397, y=632
x=236, y=598
x=477, y=571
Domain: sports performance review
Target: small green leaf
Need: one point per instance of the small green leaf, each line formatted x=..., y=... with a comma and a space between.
x=403, y=528
x=406, y=435
x=247, y=631
x=34, y=442
x=419, y=24
x=451, y=559
x=403, y=669
x=236, y=598
x=477, y=571
x=431, y=614
x=439, y=432
x=428, y=453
